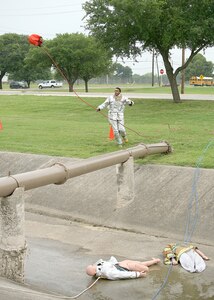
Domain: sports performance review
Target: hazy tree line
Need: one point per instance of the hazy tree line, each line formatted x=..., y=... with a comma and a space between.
x=198, y=66
x=130, y=27
x=78, y=57
x=73, y=56
x=117, y=29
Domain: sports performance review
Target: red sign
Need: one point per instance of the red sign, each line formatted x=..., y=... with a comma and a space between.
x=162, y=71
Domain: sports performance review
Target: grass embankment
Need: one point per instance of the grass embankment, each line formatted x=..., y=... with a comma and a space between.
x=65, y=126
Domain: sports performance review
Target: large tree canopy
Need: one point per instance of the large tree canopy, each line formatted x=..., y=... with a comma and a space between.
x=199, y=66
x=124, y=73
x=78, y=56
x=131, y=26
x=13, y=48
x=96, y=61
x=32, y=68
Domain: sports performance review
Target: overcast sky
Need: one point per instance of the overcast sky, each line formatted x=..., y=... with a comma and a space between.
x=49, y=17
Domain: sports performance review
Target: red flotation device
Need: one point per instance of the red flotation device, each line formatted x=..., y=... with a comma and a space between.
x=35, y=40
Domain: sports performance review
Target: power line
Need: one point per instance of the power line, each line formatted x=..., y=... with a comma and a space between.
x=134, y=61
x=36, y=8
x=41, y=14
x=21, y=6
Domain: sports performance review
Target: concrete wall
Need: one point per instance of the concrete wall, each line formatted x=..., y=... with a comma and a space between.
x=160, y=206
x=12, y=236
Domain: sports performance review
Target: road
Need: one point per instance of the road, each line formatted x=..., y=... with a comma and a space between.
x=97, y=94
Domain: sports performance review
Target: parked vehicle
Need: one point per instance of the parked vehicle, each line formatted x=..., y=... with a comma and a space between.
x=18, y=85
x=49, y=84
x=201, y=81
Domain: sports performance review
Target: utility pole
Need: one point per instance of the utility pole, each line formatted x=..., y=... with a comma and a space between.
x=183, y=71
x=157, y=69
x=153, y=65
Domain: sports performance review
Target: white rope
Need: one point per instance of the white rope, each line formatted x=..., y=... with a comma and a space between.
x=193, y=205
x=48, y=294
x=192, y=216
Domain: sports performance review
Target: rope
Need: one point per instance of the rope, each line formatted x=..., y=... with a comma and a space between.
x=48, y=294
x=164, y=283
x=81, y=99
x=194, y=195
x=191, y=220
x=193, y=205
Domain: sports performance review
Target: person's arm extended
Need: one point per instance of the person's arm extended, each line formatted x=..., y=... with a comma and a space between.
x=103, y=105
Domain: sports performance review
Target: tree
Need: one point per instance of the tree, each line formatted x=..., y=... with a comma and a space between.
x=77, y=56
x=36, y=66
x=124, y=73
x=13, y=48
x=132, y=26
x=199, y=66
x=95, y=62
x=31, y=71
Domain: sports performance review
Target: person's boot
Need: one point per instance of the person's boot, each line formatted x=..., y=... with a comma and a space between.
x=125, y=139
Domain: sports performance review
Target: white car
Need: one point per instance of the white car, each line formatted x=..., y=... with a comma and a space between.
x=50, y=84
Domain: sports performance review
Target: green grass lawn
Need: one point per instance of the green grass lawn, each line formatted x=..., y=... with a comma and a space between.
x=145, y=89
x=65, y=126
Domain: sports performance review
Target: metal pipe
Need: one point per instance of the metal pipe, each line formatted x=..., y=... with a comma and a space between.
x=59, y=173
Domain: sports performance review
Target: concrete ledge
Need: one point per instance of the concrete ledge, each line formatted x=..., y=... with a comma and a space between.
x=160, y=206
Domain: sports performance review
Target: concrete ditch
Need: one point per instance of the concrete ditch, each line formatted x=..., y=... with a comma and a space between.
x=158, y=213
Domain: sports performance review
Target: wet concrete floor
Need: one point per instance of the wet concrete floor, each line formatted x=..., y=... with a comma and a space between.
x=59, y=251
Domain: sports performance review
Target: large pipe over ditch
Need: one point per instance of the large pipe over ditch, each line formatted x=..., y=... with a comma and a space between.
x=59, y=173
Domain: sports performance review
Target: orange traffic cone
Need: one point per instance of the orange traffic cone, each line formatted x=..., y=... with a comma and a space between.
x=111, y=133
x=1, y=127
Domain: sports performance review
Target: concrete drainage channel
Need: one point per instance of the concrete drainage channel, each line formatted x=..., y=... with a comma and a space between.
x=71, y=225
